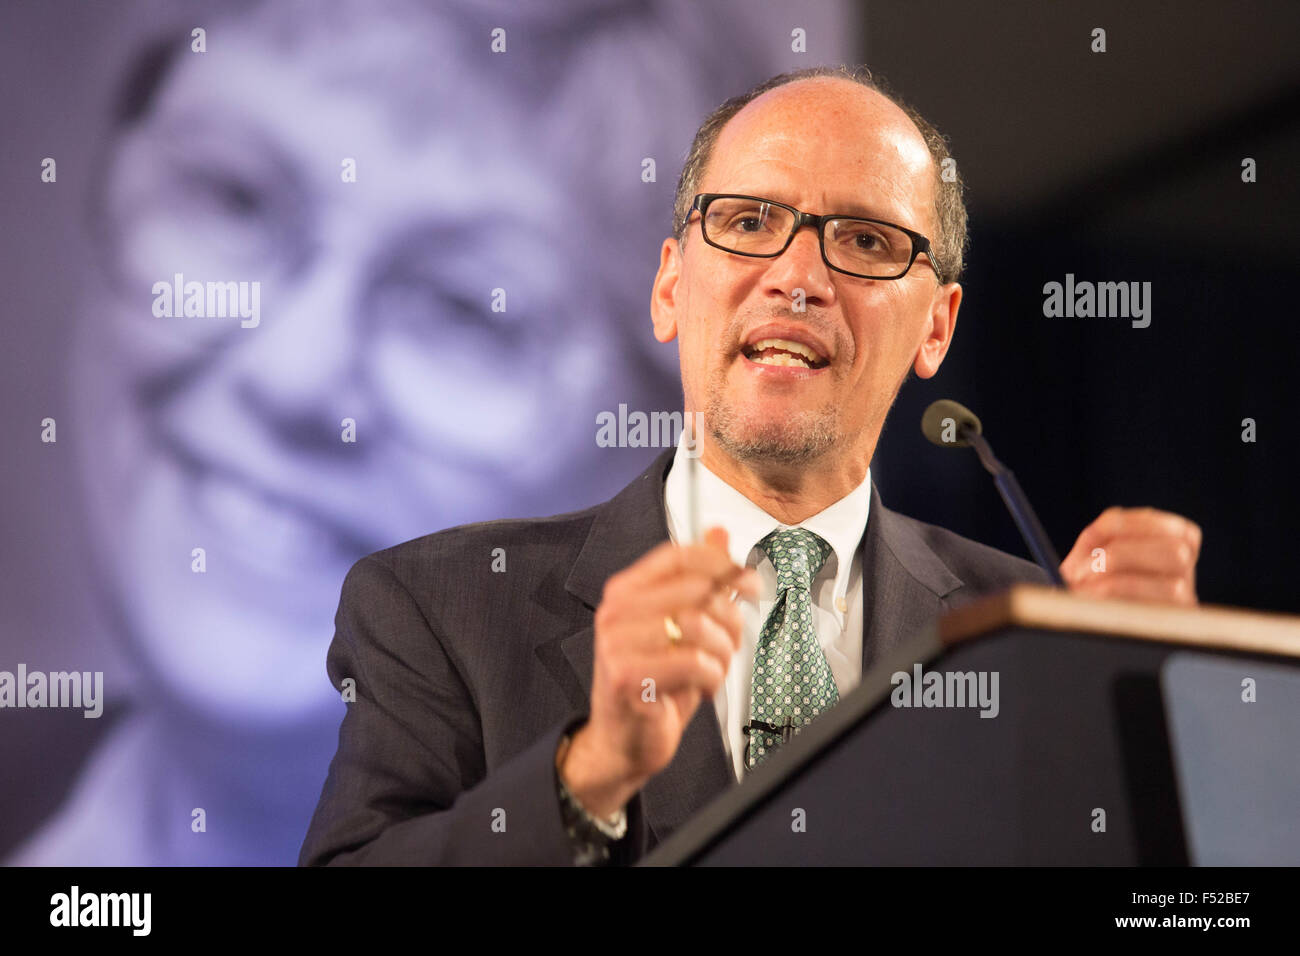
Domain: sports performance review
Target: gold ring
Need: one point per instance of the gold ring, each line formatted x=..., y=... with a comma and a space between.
x=674, y=631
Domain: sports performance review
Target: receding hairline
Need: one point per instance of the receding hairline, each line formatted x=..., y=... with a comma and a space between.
x=786, y=90
x=883, y=103
x=951, y=236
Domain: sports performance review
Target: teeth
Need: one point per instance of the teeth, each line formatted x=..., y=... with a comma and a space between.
x=787, y=345
x=273, y=532
x=780, y=359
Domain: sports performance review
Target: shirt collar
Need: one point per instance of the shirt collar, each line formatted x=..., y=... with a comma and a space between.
x=841, y=524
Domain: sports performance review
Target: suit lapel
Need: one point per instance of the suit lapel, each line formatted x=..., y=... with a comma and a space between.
x=904, y=583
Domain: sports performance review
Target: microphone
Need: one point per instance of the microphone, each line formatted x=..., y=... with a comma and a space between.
x=952, y=425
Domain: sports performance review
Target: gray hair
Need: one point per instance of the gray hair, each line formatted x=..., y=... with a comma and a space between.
x=951, y=241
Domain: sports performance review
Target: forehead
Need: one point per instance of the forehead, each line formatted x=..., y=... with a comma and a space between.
x=426, y=143
x=826, y=145
x=260, y=65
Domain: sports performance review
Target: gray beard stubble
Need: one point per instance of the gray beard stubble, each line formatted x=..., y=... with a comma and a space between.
x=798, y=440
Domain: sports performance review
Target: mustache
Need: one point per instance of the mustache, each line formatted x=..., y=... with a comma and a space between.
x=816, y=321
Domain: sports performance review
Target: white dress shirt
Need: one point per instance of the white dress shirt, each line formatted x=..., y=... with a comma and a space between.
x=836, y=590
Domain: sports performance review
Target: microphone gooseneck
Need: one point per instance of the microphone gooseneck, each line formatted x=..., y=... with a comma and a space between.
x=950, y=424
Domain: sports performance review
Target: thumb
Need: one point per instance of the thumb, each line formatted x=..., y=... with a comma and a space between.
x=716, y=537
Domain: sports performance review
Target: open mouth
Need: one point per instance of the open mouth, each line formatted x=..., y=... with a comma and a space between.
x=783, y=352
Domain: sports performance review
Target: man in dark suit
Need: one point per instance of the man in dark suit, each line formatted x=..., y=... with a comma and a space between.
x=572, y=689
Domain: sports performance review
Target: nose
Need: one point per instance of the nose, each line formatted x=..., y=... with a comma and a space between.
x=801, y=268
x=298, y=372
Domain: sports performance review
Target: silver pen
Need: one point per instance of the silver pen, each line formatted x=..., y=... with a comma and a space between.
x=693, y=476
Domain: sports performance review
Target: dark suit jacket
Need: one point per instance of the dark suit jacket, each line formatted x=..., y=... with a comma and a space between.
x=466, y=678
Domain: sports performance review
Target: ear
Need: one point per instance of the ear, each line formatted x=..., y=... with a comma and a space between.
x=664, y=292
x=943, y=323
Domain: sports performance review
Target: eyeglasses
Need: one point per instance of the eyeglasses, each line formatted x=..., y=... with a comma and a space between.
x=751, y=226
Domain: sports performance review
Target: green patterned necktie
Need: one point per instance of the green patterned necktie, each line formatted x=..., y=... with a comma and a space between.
x=792, y=682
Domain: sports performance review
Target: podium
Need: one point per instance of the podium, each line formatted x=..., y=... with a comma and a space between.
x=1036, y=727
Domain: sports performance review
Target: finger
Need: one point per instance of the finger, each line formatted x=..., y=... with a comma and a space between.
x=671, y=560
x=1153, y=588
x=624, y=631
x=716, y=537
x=726, y=613
x=746, y=586
x=1162, y=555
x=702, y=631
x=671, y=596
x=685, y=669
x=688, y=591
x=1137, y=522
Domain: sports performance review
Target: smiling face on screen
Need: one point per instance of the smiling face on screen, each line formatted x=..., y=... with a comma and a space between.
x=376, y=301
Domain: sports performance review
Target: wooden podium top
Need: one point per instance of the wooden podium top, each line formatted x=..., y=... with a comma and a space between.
x=1206, y=625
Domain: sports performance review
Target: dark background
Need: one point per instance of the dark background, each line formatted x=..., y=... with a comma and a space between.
x=1122, y=166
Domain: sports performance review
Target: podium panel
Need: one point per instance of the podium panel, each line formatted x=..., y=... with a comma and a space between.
x=1235, y=736
x=1093, y=751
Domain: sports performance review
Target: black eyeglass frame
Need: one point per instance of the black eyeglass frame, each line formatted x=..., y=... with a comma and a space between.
x=920, y=243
